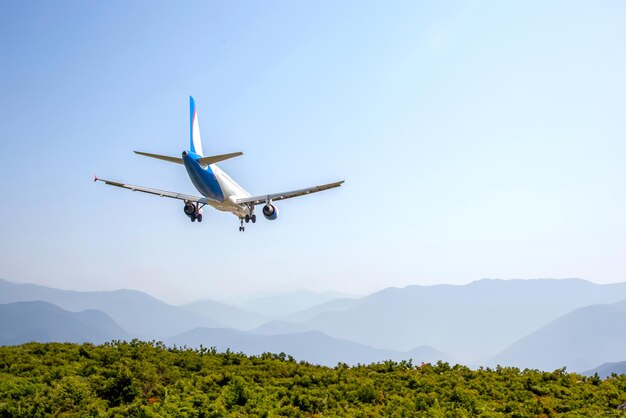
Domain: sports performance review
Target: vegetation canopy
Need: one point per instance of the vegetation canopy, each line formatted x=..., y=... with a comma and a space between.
x=149, y=379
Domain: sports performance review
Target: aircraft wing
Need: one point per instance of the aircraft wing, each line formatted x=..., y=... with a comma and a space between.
x=257, y=200
x=162, y=193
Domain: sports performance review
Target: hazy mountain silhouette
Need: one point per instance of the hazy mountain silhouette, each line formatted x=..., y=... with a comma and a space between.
x=22, y=322
x=280, y=327
x=227, y=315
x=139, y=314
x=580, y=340
x=279, y=306
x=471, y=322
x=340, y=304
x=606, y=369
x=311, y=346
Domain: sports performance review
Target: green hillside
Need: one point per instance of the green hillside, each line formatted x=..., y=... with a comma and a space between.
x=148, y=379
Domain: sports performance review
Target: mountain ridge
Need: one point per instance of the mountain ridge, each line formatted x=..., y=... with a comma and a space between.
x=311, y=346
x=22, y=322
x=578, y=340
x=138, y=313
x=467, y=321
x=227, y=315
x=607, y=369
x=472, y=323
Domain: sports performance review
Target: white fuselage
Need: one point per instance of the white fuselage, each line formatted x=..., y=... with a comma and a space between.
x=232, y=191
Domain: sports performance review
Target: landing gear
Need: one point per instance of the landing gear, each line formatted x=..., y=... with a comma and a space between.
x=193, y=211
x=250, y=216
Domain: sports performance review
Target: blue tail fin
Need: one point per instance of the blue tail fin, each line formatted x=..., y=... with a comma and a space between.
x=195, y=144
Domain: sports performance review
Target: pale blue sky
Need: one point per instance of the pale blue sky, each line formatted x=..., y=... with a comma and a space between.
x=477, y=139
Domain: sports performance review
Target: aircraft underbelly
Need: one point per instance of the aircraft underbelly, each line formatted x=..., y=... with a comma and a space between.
x=232, y=191
x=217, y=187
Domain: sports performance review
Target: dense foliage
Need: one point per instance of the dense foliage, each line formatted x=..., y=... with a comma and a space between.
x=148, y=379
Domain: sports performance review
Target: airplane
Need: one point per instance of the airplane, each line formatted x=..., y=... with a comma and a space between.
x=218, y=190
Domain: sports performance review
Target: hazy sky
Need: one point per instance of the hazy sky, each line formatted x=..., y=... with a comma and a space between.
x=477, y=139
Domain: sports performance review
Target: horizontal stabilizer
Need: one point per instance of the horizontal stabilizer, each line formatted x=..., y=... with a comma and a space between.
x=161, y=157
x=212, y=159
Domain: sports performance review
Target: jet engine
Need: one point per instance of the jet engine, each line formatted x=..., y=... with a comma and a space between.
x=270, y=212
x=191, y=210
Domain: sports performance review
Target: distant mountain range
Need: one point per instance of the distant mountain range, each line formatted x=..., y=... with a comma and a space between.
x=23, y=322
x=227, y=315
x=607, y=369
x=471, y=322
x=280, y=327
x=545, y=324
x=139, y=314
x=578, y=340
x=281, y=306
x=311, y=346
x=302, y=315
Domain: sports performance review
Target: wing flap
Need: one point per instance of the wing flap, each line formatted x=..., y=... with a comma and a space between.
x=157, y=192
x=257, y=200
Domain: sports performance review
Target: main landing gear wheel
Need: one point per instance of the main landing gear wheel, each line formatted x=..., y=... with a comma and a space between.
x=253, y=219
x=247, y=218
x=199, y=217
